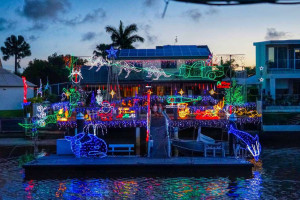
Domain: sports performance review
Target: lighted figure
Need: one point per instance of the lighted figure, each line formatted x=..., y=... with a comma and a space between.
x=209, y=60
x=183, y=112
x=200, y=70
x=105, y=113
x=181, y=99
x=112, y=53
x=98, y=62
x=87, y=145
x=243, y=111
x=252, y=143
x=127, y=67
x=234, y=94
x=99, y=97
x=76, y=75
x=40, y=90
x=212, y=92
x=155, y=72
x=181, y=92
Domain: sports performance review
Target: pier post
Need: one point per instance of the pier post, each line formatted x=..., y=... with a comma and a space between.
x=137, y=141
x=80, y=123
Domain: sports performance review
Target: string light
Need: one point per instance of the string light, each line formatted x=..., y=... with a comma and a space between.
x=25, y=86
x=181, y=92
x=155, y=72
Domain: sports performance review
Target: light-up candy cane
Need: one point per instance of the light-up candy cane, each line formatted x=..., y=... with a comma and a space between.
x=25, y=89
x=148, y=114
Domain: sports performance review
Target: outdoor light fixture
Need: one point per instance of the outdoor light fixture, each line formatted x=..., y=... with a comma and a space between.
x=261, y=68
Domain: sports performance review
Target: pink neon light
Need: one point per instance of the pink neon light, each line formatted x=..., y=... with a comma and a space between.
x=25, y=89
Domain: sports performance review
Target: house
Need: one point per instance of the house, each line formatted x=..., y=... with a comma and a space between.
x=167, y=69
x=12, y=90
x=278, y=69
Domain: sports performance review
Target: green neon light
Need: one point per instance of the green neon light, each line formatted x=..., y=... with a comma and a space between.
x=74, y=98
x=234, y=94
x=69, y=62
x=181, y=99
x=199, y=70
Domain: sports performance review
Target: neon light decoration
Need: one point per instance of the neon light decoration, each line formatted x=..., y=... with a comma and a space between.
x=87, y=145
x=41, y=115
x=99, y=97
x=76, y=75
x=234, y=95
x=25, y=86
x=148, y=115
x=252, y=143
x=126, y=113
x=40, y=89
x=75, y=71
x=244, y=111
x=98, y=62
x=181, y=92
x=181, y=99
x=212, y=92
x=127, y=67
x=112, y=93
x=209, y=60
x=223, y=84
x=112, y=53
x=155, y=72
x=105, y=113
x=200, y=70
x=183, y=112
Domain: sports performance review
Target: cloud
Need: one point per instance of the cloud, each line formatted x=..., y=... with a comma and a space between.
x=94, y=16
x=150, y=38
x=273, y=34
x=43, y=9
x=88, y=36
x=37, y=27
x=33, y=38
x=5, y=24
x=211, y=11
x=149, y=3
x=193, y=14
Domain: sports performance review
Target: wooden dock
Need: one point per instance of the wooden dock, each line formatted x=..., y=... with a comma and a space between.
x=124, y=166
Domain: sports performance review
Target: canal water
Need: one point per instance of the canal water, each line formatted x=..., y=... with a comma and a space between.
x=278, y=178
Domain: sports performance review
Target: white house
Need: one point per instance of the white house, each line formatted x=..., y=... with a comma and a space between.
x=12, y=90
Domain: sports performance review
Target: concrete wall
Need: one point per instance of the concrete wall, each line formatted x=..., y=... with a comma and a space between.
x=11, y=98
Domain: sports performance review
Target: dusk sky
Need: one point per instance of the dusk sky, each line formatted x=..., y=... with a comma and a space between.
x=76, y=27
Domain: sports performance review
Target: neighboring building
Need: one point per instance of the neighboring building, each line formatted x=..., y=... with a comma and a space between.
x=12, y=90
x=281, y=73
x=280, y=60
x=170, y=59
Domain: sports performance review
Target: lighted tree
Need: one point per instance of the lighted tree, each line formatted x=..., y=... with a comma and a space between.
x=17, y=47
x=234, y=94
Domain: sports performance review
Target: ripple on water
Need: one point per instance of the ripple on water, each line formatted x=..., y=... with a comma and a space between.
x=279, y=178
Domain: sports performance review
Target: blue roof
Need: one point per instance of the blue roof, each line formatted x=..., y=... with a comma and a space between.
x=166, y=52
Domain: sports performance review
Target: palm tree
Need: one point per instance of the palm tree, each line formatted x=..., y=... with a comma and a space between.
x=101, y=50
x=17, y=47
x=123, y=38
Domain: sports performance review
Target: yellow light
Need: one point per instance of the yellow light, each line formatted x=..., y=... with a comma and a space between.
x=181, y=92
x=112, y=93
x=212, y=92
x=149, y=92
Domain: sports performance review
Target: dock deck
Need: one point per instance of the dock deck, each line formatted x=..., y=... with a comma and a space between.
x=68, y=166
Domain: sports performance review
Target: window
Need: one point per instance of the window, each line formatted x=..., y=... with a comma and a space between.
x=297, y=58
x=277, y=57
x=271, y=57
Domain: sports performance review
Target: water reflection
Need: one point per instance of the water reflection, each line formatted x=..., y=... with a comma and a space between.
x=266, y=183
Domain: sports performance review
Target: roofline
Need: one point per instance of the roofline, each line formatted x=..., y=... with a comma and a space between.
x=162, y=58
x=296, y=41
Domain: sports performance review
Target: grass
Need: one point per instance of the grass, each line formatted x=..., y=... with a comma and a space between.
x=11, y=113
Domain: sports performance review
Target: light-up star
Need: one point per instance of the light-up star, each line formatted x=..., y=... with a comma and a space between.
x=112, y=93
x=261, y=68
x=181, y=92
x=112, y=52
x=212, y=92
x=149, y=92
x=261, y=79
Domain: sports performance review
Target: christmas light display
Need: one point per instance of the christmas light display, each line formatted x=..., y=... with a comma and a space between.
x=39, y=91
x=209, y=60
x=112, y=93
x=98, y=62
x=127, y=67
x=75, y=70
x=87, y=145
x=76, y=75
x=155, y=72
x=25, y=86
x=112, y=53
x=41, y=115
x=252, y=143
x=148, y=115
x=183, y=110
x=234, y=95
x=245, y=112
x=99, y=97
x=200, y=70
x=181, y=99
x=223, y=84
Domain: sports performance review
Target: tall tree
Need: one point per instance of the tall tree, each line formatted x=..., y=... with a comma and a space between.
x=123, y=38
x=100, y=50
x=17, y=47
